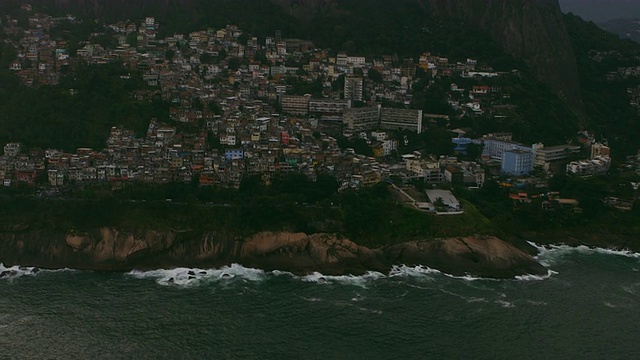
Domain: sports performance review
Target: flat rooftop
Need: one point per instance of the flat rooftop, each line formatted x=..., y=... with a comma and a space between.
x=446, y=196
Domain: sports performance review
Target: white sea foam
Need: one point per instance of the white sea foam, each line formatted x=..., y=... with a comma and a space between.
x=454, y=294
x=468, y=277
x=194, y=276
x=313, y=299
x=632, y=289
x=475, y=299
x=415, y=271
x=540, y=303
x=360, y=281
x=373, y=311
x=282, y=273
x=13, y=272
x=424, y=272
x=505, y=304
x=530, y=277
x=16, y=271
x=545, y=250
x=189, y=276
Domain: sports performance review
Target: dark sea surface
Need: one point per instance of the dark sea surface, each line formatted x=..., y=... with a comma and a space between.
x=587, y=308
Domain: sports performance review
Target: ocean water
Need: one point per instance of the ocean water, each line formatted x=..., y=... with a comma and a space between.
x=588, y=307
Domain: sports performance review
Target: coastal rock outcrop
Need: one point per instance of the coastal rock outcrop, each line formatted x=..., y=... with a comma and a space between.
x=307, y=253
x=484, y=256
x=116, y=250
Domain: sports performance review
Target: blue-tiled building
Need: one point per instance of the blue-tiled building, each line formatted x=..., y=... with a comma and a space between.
x=517, y=162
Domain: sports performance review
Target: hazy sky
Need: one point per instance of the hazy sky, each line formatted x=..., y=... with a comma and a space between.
x=602, y=10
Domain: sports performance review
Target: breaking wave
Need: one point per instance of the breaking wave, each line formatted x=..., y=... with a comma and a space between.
x=235, y=272
x=425, y=272
x=413, y=271
x=530, y=277
x=16, y=271
x=548, y=254
x=189, y=277
x=360, y=281
x=564, y=249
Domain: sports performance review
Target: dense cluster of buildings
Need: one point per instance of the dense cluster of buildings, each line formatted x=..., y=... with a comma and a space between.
x=252, y=120
x=251, y=137
x=517, y=159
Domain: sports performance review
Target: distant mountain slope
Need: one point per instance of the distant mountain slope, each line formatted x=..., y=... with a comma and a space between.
x=528, y=30
x=625, y=28
x=606, y=64
x=600, y=11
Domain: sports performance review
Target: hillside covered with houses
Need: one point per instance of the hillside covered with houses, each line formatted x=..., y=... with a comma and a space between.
x=222, y=108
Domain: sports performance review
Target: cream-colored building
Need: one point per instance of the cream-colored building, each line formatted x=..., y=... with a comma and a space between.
x=401, y=119
x=362, y=118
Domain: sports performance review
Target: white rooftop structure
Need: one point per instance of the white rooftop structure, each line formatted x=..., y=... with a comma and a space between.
x=446, y=196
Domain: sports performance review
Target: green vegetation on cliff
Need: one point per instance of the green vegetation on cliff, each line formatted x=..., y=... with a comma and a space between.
x=600, y=56
x=371, y=216
x=77, y=113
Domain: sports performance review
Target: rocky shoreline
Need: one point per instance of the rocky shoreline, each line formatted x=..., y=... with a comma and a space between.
x=109, y=249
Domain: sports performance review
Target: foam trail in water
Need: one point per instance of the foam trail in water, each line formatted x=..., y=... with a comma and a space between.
x=188, y=277
x=475, y=299
x=505, y=304
x=424, y=272
x=530, y=277
x=538, y=303
x=468, y=277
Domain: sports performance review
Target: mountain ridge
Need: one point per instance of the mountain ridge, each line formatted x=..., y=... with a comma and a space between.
x=529, y=30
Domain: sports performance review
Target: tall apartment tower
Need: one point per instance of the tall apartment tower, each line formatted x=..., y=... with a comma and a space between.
x=353, y=88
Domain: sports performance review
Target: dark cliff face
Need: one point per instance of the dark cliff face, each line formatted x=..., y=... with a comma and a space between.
x=532, y=30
